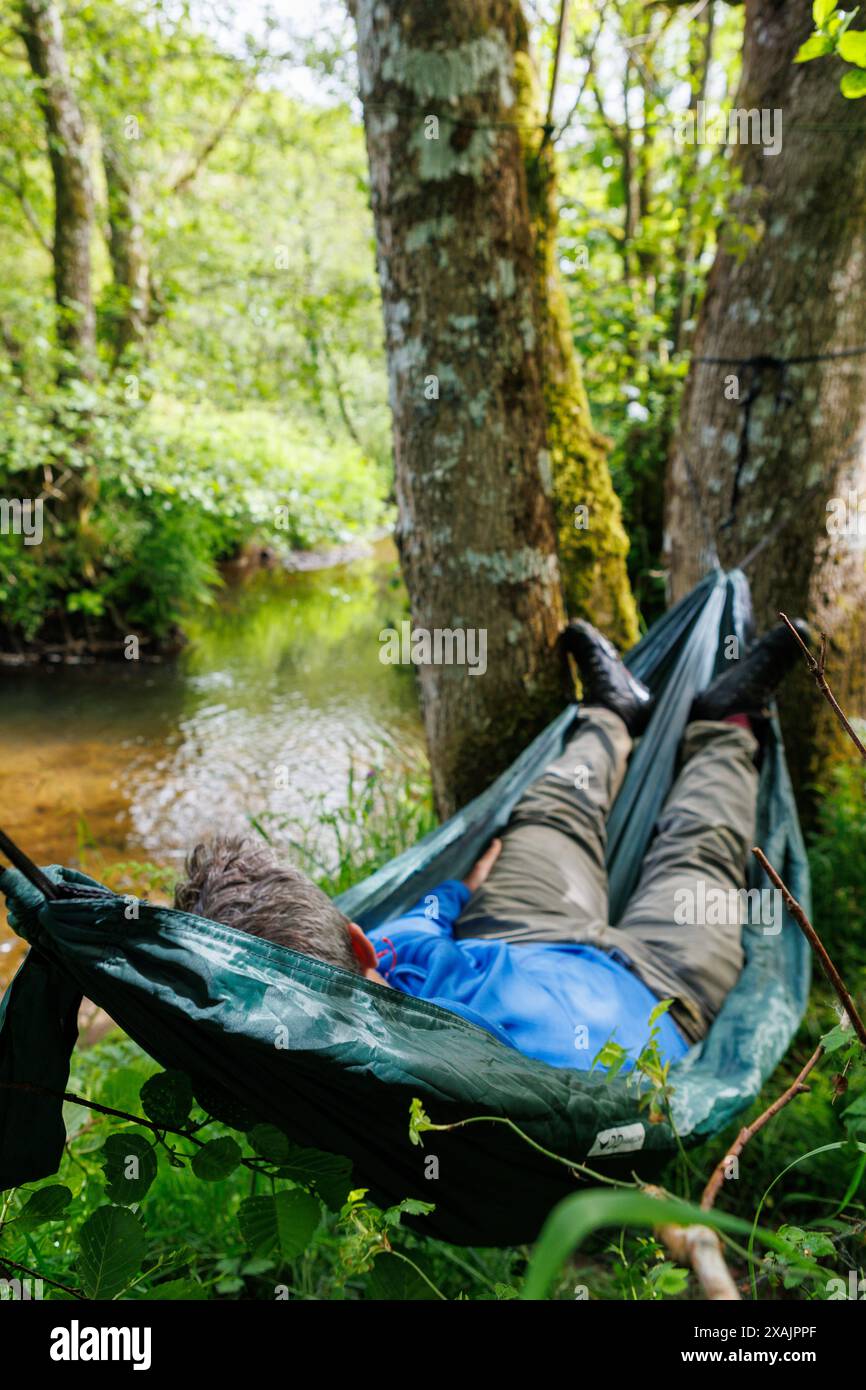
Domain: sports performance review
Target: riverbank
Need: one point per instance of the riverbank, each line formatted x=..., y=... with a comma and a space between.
x=249, y=560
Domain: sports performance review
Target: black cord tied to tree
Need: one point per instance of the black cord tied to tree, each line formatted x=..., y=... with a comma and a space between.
x=760, y=365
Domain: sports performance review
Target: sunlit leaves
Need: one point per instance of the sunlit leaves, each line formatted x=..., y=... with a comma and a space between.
x=821, y=10
x=816, y=46
x=852, y=47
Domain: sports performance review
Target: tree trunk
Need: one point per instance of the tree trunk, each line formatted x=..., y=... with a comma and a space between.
x=128, y=251
x=456, y=265
x=73, y=192
x=592, y=541
x=764, y=446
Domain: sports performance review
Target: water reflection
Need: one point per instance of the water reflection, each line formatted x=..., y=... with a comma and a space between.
x=279, y=692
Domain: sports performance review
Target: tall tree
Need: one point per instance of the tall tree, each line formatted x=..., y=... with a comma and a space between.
x=479, y=359
x=42, y=32
x=773, y=423
x=127, y=248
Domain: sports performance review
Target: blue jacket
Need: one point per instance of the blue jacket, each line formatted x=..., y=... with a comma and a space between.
x=559, y=1003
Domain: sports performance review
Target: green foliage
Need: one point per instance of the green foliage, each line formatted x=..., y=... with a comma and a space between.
x=167, y=1099
x=649, y=1073
x=130, y=1166
x=217, y=1159
x=834, y=36
x=249, y=1213
x=111, y=1247
x=253, y=414
x=635, y=255
x=577, y=1217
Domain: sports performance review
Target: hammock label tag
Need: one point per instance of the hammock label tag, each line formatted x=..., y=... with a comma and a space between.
x=624, y=1139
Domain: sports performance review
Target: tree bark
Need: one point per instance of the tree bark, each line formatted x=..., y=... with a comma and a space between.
x=762, y=468
x=127, y=249
x=456, y=264
x=592, y=542
x=73, y=192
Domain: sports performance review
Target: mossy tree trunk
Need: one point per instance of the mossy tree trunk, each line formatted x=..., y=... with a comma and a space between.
x=591, y=538
x=763, y=449
x=73, y=190
x=480, y=370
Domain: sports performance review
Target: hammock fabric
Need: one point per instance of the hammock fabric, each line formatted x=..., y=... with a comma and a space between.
x=335, y=1060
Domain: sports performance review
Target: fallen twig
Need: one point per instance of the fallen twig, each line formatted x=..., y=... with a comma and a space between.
x=711, y=1191
x=699, y=1247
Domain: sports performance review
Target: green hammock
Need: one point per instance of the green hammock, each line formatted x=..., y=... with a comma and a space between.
x=334, y=1060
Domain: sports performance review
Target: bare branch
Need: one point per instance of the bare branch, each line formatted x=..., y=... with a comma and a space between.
x=554, y=76
x=816, y=943
x=217, y=135
x=711, y=1191
x=590, y=61
x=816, y=667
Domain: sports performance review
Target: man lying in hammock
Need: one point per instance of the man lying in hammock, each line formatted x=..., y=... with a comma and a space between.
x=523, y=946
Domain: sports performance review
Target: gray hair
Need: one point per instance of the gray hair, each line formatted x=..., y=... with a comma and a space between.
x=242, y=884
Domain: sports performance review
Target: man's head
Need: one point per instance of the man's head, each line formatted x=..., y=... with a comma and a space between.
x=242, y=884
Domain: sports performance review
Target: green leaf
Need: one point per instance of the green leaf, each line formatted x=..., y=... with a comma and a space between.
x=222, y=1106
x=270, y=1143
x=419, y=1121
x=329, y=1174
x=284, y=1222
x=121, y=1089
x=410, y=1206
x=852, y=47
x=167, y=1099
x=130, y=1166
x=848, y=1146
x=813, y=1244
x=816, y=46
x=853, y=84
x=392, y=1280
x=668, y=1279
x=178, y=1290
x=216, y=1159
x=611, y=1056
x=822, y=10
x=111, y=1247
x=46, y=1204
x=836, y=1038
x=661, y=1008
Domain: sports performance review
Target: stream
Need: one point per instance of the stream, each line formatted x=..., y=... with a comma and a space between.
x=278, y=695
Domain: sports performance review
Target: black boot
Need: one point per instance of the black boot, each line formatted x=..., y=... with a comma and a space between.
x=751, y=684
x=605, y=680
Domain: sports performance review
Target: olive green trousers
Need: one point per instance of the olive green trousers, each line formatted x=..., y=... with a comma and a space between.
x=681, y=932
